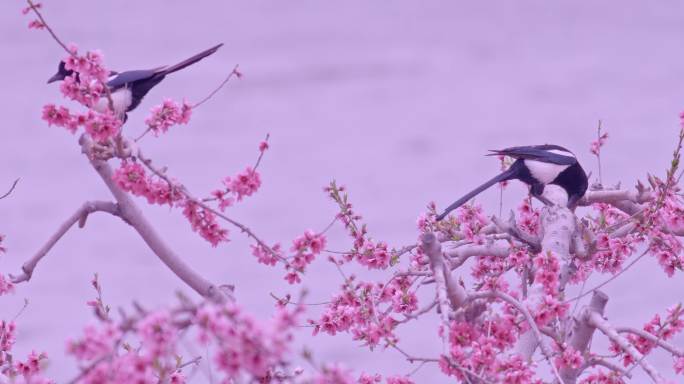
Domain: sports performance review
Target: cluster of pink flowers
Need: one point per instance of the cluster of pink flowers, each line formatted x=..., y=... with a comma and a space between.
x=528, y=219
x=166, y=114
x=568, y=358
x=266, y=256
x=612, y=252
x=398, y=293
x=243, y=345
x=131, y=177
x=548, y=270
x=89, y=66
x=17, y=371
x=155, y=358
x=204, y=222
x=471, y=220
x=357, y=310
x=100, y=126
x=6, y=285
x=87, y=83
x=480, y=346
x=7, y=339
x=244, y=184
x=305, y=247
x=662, y=329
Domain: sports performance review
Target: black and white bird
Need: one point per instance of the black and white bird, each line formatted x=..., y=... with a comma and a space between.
x=537, y=166
x=128, y=88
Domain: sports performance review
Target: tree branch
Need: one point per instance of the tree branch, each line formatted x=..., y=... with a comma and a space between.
x=598, y=321
x=433, y=249
x=130, y=212
x=653, y=339
x=582, y=332
x=594, y=361
x=79, y=216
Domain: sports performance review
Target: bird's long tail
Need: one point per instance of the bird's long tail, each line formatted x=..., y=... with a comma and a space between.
x=190, y=61
x=508, y=174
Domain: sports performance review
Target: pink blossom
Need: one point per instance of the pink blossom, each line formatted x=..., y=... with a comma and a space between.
x=529, y=217
x=515, y=370
x=102, y=126
x=26, y=10
x=244, y=184
x=89, y=67
x=6, y=285
x=7, y=337
x=61, y=117
x=264, y=256
x=596, y=145
x=95, y=343
x=32, y=365
x=569, y=358
x=166, y=114
x=679, y=365
x=36, y=24
x=157, y=333
x=306, y=248
x=130, y=177
x=84, y=92
x=204, y=222
x=374, y=255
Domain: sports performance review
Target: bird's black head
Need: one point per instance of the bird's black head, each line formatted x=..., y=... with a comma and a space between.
x=61, y=74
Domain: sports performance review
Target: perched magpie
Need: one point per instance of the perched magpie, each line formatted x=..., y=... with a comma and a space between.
x=128, y=88
x=537, y=166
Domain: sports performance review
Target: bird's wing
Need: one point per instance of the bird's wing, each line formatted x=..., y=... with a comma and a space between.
x=128, y=77
x=546, y=153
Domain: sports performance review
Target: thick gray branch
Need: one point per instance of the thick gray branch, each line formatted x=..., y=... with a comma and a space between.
x=581, y=333
x=130, y=212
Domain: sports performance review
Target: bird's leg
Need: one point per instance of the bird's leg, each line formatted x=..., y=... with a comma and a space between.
x=573, y=201
x=537, y=191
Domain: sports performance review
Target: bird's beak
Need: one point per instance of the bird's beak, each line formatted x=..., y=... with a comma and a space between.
x=55, y=77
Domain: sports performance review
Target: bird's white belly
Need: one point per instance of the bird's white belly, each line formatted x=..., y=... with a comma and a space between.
x=544, y=172
x=121, y=99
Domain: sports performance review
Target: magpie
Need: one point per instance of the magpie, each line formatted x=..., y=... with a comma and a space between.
x=536, y=166
x=128, y=88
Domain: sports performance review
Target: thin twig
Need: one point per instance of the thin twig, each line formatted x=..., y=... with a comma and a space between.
x=10, y=190
x=47, y=26
x=261, y=153
x=234, y=72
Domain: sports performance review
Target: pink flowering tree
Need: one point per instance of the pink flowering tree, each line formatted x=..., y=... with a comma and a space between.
x=498, y=285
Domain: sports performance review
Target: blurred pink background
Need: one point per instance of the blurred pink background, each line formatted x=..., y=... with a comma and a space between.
x=396, y=100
